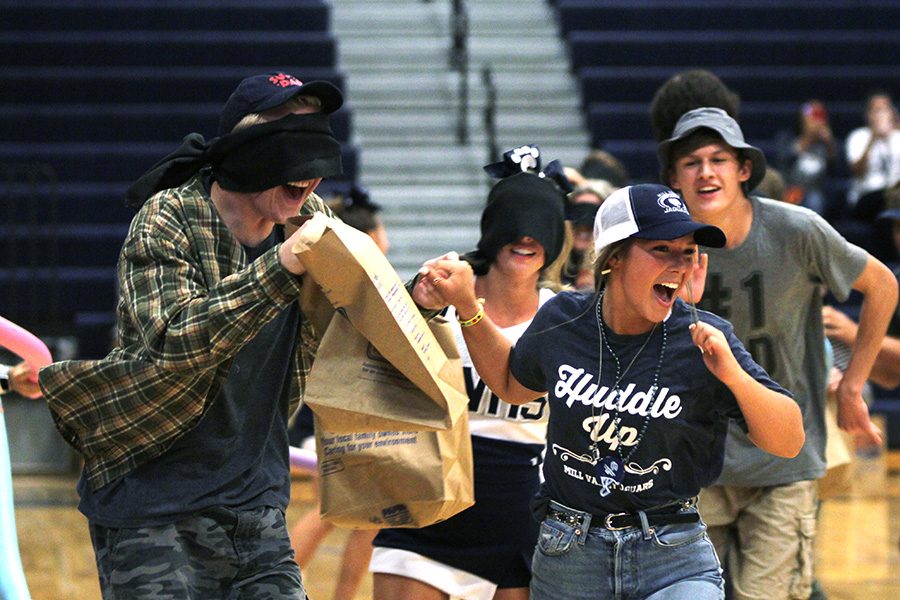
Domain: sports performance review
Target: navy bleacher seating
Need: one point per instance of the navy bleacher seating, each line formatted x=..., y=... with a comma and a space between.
x=625, y=15
x=96, y=332
x=81, y=245
x=779, y=83
x=774, y=54
x=45, y=291
x=92, y=93
x=209, y=15
x=68, y=204
x=96, y=161
x=756, y=47
x=144, y=84
x=201, y=48
x=60, y=123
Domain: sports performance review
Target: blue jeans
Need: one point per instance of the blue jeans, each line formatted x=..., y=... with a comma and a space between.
x=665, y=562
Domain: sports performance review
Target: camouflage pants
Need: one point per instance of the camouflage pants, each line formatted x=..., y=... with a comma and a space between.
x=218, y=554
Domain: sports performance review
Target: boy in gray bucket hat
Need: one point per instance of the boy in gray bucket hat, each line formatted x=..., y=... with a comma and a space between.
x=768, y=281
x=716, y=120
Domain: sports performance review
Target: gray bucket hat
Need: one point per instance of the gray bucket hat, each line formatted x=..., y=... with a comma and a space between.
x=717, y=120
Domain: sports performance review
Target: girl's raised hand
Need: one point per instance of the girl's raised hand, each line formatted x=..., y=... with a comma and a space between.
x=433, y=271
x=716, y=352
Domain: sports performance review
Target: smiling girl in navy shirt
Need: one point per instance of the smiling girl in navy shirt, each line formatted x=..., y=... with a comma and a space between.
x=640, y=386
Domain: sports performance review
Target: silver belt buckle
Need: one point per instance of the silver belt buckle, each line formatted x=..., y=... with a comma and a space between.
x=608, y=521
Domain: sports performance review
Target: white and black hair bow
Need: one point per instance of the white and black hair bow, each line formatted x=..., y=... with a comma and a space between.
x=527, y=159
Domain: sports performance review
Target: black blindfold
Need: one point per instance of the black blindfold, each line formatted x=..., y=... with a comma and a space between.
x=519, y=206
x=254, y=159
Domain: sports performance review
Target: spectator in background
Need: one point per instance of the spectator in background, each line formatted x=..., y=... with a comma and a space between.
x=601, y=165
x=20, y=379
x=581, y=208
x=807, y=156
x=772, y=185
x=873, y=154
x=686, y=91
x=844, y=330
x=886, y=369
x=891, y=217
x=600, y=174
x=357, y=210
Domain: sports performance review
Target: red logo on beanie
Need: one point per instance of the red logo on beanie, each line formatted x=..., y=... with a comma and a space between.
x=284, y=80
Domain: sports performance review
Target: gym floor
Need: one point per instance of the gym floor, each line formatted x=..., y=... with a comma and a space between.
x=858, y=548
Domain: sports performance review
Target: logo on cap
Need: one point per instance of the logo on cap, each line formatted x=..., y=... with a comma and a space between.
x=284, y=80
x=671, y=202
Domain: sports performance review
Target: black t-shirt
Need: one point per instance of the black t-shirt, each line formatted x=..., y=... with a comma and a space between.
x=236, y=456
x=684, y=423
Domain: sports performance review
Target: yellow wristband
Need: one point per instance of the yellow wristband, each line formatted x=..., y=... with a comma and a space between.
x=476, y=319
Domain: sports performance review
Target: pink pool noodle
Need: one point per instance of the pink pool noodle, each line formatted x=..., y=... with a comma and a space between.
x=12, y=577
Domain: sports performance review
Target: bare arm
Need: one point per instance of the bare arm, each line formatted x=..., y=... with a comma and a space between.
x=774, y=420
x=879, y=287
x=886, y=370
x=452, y=280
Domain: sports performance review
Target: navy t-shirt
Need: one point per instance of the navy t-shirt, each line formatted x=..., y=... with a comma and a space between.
x=684, y=423
x=236, y=456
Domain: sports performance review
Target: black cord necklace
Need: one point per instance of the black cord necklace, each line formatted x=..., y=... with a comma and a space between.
x=611, y=468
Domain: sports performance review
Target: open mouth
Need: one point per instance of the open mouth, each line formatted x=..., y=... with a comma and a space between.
x=298, y=189
x=708, y=190
x=523, y=252
x=299, y=184
x=665, y=291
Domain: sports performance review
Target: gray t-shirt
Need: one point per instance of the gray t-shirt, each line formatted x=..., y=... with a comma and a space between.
x=770, y=288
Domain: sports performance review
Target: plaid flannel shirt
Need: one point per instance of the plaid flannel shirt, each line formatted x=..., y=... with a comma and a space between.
x=189, y=302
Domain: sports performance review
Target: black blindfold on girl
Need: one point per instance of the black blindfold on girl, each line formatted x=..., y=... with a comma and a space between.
x=519, y=206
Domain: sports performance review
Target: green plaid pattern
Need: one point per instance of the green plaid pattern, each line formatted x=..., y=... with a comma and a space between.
x=189, y=302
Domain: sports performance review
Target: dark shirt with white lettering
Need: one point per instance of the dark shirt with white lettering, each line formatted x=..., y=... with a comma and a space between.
x=669, y=443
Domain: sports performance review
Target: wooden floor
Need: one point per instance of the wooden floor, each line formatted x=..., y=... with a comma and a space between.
x=858, y=550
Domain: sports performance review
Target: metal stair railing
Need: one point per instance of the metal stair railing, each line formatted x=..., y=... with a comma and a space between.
x=459, y=61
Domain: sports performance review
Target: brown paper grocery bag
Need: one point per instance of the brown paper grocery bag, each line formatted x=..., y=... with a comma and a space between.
x=360, y=283
x=353, y=388
x=394, y=478
x=838, y=478
x=386, y=362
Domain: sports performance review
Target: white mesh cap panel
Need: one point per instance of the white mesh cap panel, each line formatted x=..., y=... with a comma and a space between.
x=615, y=220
